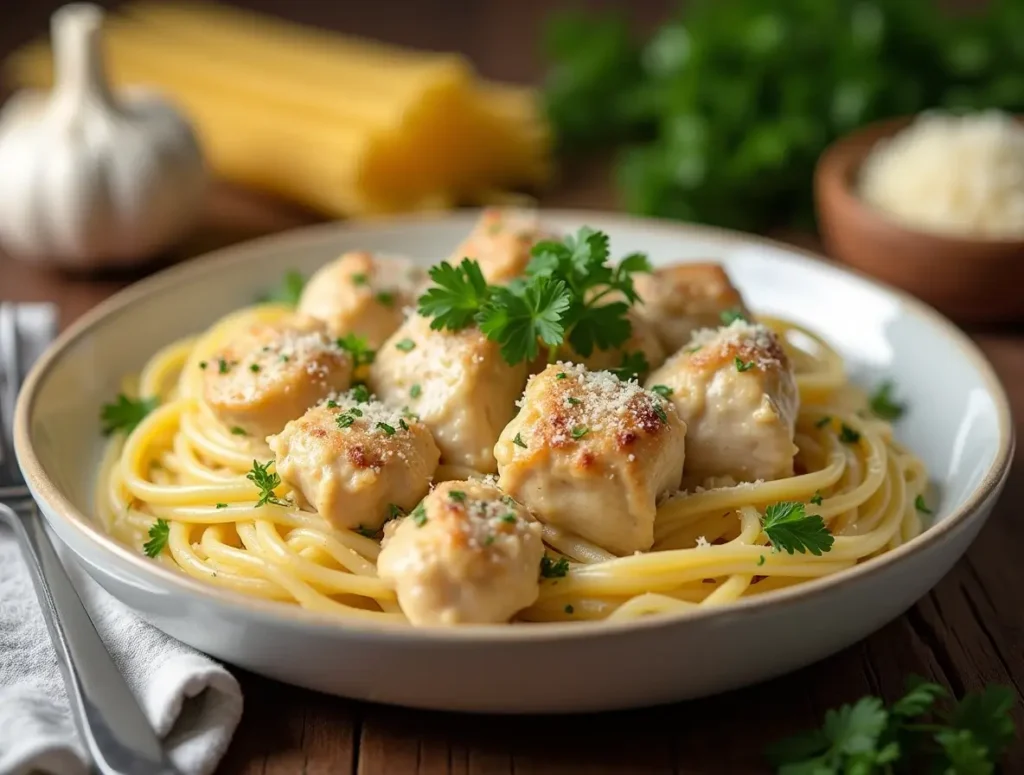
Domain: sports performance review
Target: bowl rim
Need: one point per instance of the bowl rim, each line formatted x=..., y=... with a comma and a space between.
x=282, y=613
x=839, y=164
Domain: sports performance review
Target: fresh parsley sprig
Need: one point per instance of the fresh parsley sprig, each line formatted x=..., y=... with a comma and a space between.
x=911, y=735
x=790, y=529
x=159, y=533
x=570, y=295
x=125, y=413
x=267, y=482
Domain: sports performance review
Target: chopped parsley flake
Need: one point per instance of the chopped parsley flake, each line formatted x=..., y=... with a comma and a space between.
x=403, y=424
x=222, y=506
x=662, y=390
x=419, y=515
x=568, y=608
x=395, y=511
x=572, y=401
x=741, y=366
x=367, y=532
x=389, y=430
x=848, y=435
x=202, y=364
x=222, y=366
x=236, y=431
x=406, y=345
x=254, y=367
x=823, y=422
x=457, y=495
x=386, y=298
x=816, y=498
x=730, y=316
x=791, y=529
x=553, y=569
x=560, y=375
x=921, y=506
x=358, y=348
x=579, y=432
x=883, y=404
x=760, y=561
x=415, y=391
x=518, y=441
x=267, y=482
x=360, y=394
x=660, y=411
x=359, y=279
x=510, y=518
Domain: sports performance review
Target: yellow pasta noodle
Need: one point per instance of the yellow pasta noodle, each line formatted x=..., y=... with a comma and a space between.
x=181, y=466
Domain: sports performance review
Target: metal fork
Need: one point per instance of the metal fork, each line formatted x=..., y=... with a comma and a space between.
x=109, y=718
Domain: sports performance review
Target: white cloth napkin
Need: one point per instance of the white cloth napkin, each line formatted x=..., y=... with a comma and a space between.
x=192, y=702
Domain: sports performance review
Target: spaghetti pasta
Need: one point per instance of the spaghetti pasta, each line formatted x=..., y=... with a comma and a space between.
x=182, y=466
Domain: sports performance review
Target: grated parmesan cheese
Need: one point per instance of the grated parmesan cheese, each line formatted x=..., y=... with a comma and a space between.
x=961, y=175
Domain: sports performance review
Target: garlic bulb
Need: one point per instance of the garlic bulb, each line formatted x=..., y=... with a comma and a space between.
x=89, y=178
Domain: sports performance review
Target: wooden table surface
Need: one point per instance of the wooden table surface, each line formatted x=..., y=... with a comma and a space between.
x=968, y=632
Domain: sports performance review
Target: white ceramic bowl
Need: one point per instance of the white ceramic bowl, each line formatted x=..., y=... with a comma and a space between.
x=959, y=423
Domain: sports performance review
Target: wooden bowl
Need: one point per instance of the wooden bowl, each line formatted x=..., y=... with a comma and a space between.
x=970, y=280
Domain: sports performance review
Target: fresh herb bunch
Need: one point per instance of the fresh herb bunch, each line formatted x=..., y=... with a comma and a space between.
x=910, y=736
x=733, y=102
x=570, y=295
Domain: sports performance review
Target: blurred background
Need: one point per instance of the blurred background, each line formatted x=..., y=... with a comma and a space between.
x=713, y=111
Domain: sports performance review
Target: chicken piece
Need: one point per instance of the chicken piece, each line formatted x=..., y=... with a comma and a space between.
x=356, y=461
x=456, y=382
x=592, y=454
x=360, y=293
x=501, y=242
x=273, y=373
x=466, y=555
x=736, y=390
x=682, y=299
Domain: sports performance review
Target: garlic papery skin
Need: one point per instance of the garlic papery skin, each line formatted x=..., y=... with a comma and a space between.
x=90, y=178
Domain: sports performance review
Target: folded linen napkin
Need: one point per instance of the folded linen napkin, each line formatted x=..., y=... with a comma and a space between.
x=192, y=702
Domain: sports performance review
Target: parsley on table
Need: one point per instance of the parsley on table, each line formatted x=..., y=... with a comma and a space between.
x=633, y=366
x=125, y=413
x=266, y=482
x=790, y=529
x=553, y=569
x=883, y=404
x=289, y=291
x=159, y=533
x=357, y=347
x=911, y=735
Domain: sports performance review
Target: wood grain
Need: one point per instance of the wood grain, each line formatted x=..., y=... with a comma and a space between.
x=968, y=632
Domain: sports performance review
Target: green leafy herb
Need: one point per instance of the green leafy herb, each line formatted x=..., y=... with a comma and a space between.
x=403, y=424
x=457, y=495
x=406, y=345
x=395, y=511
x=419, y=515
x=579, y=432
x=572, y=401
x=221, y=505
x=159, y=533
x=359, y=278
x=662, y=390
x=518, y=441
x=730, y=316
x=633, y=366
x=848, y=435
x=289, y=291
x=520, y=314
x=389, y=430
x=912, y=735
x=223, y=366
x=345, y=419
x=725, y=109
x=921, y=506
x=816, y=498
x=660, y=411
x=561, y=375
x=457, y=296
x=357, y=347
x=415, y=391
x=760, y=561
x=741, y=366
x=125, y=413
x=254, y=368
x=790, y=529
x=553, y=569
x=360, y=394
x=202, y=364
x=883, y=404
x=510, y=518
x=266, y=482
x=823, y=422
x=386, y=298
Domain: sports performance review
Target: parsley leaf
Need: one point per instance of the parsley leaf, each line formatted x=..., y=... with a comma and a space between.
x=662, y=390
x=553, y=569
x=125, y=413
x=741, y=365
x=520, y=314
x=289, y=291
x=790, y=529
x=816, y=499
x=415, y=391
x=159, y=533
x=405, y=345
x=267, y=482
x=518, y=441
x=921, y=506
x=730, y=316
x=419, y=515
x=883, y=405
x=357, y=347
x=848, y=435
x=457, y=296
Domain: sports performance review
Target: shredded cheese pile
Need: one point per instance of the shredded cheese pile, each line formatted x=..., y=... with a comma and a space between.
x=958, y=175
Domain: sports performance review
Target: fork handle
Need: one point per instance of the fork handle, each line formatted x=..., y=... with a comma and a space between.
x=109, y=718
